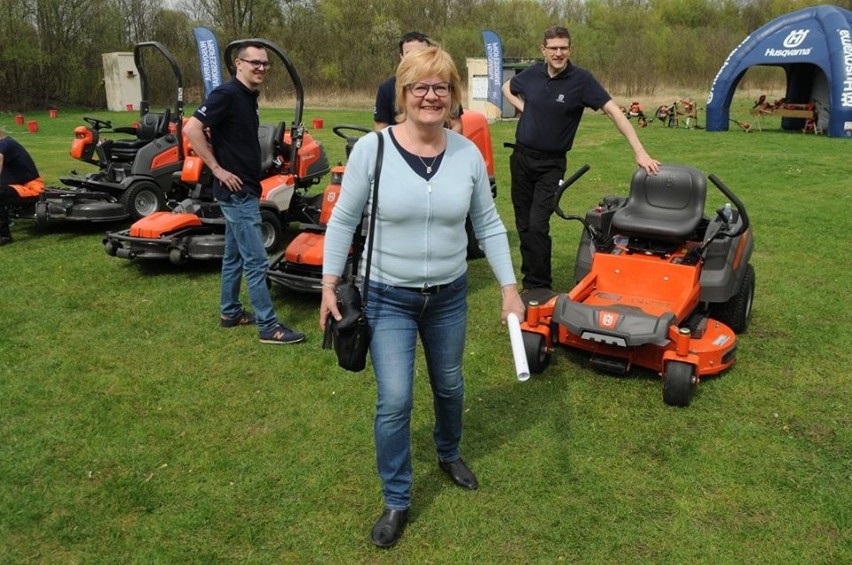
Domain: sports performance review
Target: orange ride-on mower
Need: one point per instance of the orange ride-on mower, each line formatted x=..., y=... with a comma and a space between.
x=299, y=266
x=292, y=162
x=661, y=285
x=134, y=176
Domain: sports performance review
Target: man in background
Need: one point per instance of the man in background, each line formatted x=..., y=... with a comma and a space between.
x=19, y=181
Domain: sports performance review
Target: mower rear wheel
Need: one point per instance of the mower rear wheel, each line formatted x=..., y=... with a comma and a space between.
x=736, y=312
x=143, y=198
x=270, y=231
x=679, y=383
x=535, y=347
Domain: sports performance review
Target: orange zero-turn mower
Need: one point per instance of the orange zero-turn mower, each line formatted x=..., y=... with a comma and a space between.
x=292, y=162
x=135, y=175
x=660, y=284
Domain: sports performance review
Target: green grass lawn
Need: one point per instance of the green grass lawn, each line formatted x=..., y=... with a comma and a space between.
x=134, y=429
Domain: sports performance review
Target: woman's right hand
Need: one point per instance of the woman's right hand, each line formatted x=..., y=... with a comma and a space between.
x=328, y=305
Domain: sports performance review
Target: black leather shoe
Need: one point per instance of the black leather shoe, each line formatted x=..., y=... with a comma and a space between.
x=460, y=474
x=389, y=528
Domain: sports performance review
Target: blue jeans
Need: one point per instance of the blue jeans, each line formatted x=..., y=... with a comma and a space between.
x=396, y=317
x=244, y=252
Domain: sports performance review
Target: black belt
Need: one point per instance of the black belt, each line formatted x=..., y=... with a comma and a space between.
x=425, y=289
x=534, y=153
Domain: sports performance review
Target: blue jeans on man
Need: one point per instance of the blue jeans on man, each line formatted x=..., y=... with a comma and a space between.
x=396, y=317
x=244, y=253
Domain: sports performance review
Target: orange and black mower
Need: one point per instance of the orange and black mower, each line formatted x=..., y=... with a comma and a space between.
x=660, y=285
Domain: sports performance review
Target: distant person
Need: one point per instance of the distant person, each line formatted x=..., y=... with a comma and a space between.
x=231, y=114
x=20, y=182
x=551, y=97
x=385, y=111
x=431, y=179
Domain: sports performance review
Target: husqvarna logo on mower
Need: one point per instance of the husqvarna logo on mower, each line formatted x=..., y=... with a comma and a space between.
x=607, y=319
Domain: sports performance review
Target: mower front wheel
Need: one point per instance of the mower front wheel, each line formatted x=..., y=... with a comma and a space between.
x=678, y=383
x=270, y=231
x=143, y=198
x=538, y=357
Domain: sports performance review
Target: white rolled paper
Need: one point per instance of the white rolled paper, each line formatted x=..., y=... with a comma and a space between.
x=522, y=368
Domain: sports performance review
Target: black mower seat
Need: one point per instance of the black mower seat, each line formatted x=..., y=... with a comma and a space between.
x=666, y=207
x=266, y=138
x=151, y=126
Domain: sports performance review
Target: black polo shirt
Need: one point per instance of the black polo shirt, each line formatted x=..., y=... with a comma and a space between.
x=231, y=113
x=554, y=106
x=18, y=166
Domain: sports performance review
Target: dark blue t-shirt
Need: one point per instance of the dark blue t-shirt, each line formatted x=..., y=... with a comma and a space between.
x=18, y=166
x=554, y=106
x=230, y=112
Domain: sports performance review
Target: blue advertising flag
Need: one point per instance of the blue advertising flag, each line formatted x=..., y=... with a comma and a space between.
x=494, y=58
x=208, y=58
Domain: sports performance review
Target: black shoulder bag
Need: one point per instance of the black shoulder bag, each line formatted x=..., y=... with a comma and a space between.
x=350, y=336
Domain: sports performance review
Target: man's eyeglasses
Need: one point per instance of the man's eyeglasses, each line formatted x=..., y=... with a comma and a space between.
x=421, y=89
x=258, y=64
x=560, y=48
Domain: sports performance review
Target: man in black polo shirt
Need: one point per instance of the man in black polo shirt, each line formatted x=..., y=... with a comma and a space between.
x=551, y=97
x=231, y=114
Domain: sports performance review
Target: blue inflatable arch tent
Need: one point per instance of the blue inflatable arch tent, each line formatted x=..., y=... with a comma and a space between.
x=814, y=47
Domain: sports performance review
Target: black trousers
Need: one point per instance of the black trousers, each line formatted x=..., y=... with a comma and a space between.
x=8, y=197
x=535, y=180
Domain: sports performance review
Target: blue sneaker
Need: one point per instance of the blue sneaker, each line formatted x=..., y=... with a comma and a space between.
x=280, y=335
x=241, y=319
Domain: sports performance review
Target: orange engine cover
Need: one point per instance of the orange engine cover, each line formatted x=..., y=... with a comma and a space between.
x=475, y=126
x=160, y=223
x=305, y=249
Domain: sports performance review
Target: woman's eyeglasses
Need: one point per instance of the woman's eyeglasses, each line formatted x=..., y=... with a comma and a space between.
x=421, y=89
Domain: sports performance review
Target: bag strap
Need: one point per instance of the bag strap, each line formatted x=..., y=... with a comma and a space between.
x=370, y=230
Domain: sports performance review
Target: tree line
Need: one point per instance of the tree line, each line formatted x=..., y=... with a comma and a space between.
x=50, y=50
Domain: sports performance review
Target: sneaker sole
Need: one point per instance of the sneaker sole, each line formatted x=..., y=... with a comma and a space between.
x=280, y=342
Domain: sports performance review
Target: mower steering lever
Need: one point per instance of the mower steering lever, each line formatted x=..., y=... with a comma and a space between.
x=563, y=185
x=737, y=203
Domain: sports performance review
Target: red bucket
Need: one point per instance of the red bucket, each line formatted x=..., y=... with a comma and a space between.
x=32, y=126
x=19, y=119
x=317, y=123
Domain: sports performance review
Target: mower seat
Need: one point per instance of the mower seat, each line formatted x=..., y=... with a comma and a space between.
x=664, y=207
x=151, y=126
x=266, y=138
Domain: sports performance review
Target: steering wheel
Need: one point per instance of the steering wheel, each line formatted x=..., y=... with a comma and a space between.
x=98, y=124
x=342, y=131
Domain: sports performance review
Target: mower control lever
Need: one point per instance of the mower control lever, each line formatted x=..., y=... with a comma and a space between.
x=563, y=185
x=737, y=203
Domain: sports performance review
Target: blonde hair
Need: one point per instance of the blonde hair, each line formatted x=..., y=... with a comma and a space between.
x=424, y=63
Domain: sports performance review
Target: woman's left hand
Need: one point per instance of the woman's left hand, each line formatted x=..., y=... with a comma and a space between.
x=512, y=303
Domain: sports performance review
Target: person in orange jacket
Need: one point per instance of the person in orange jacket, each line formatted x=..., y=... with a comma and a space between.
x=20, y=182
